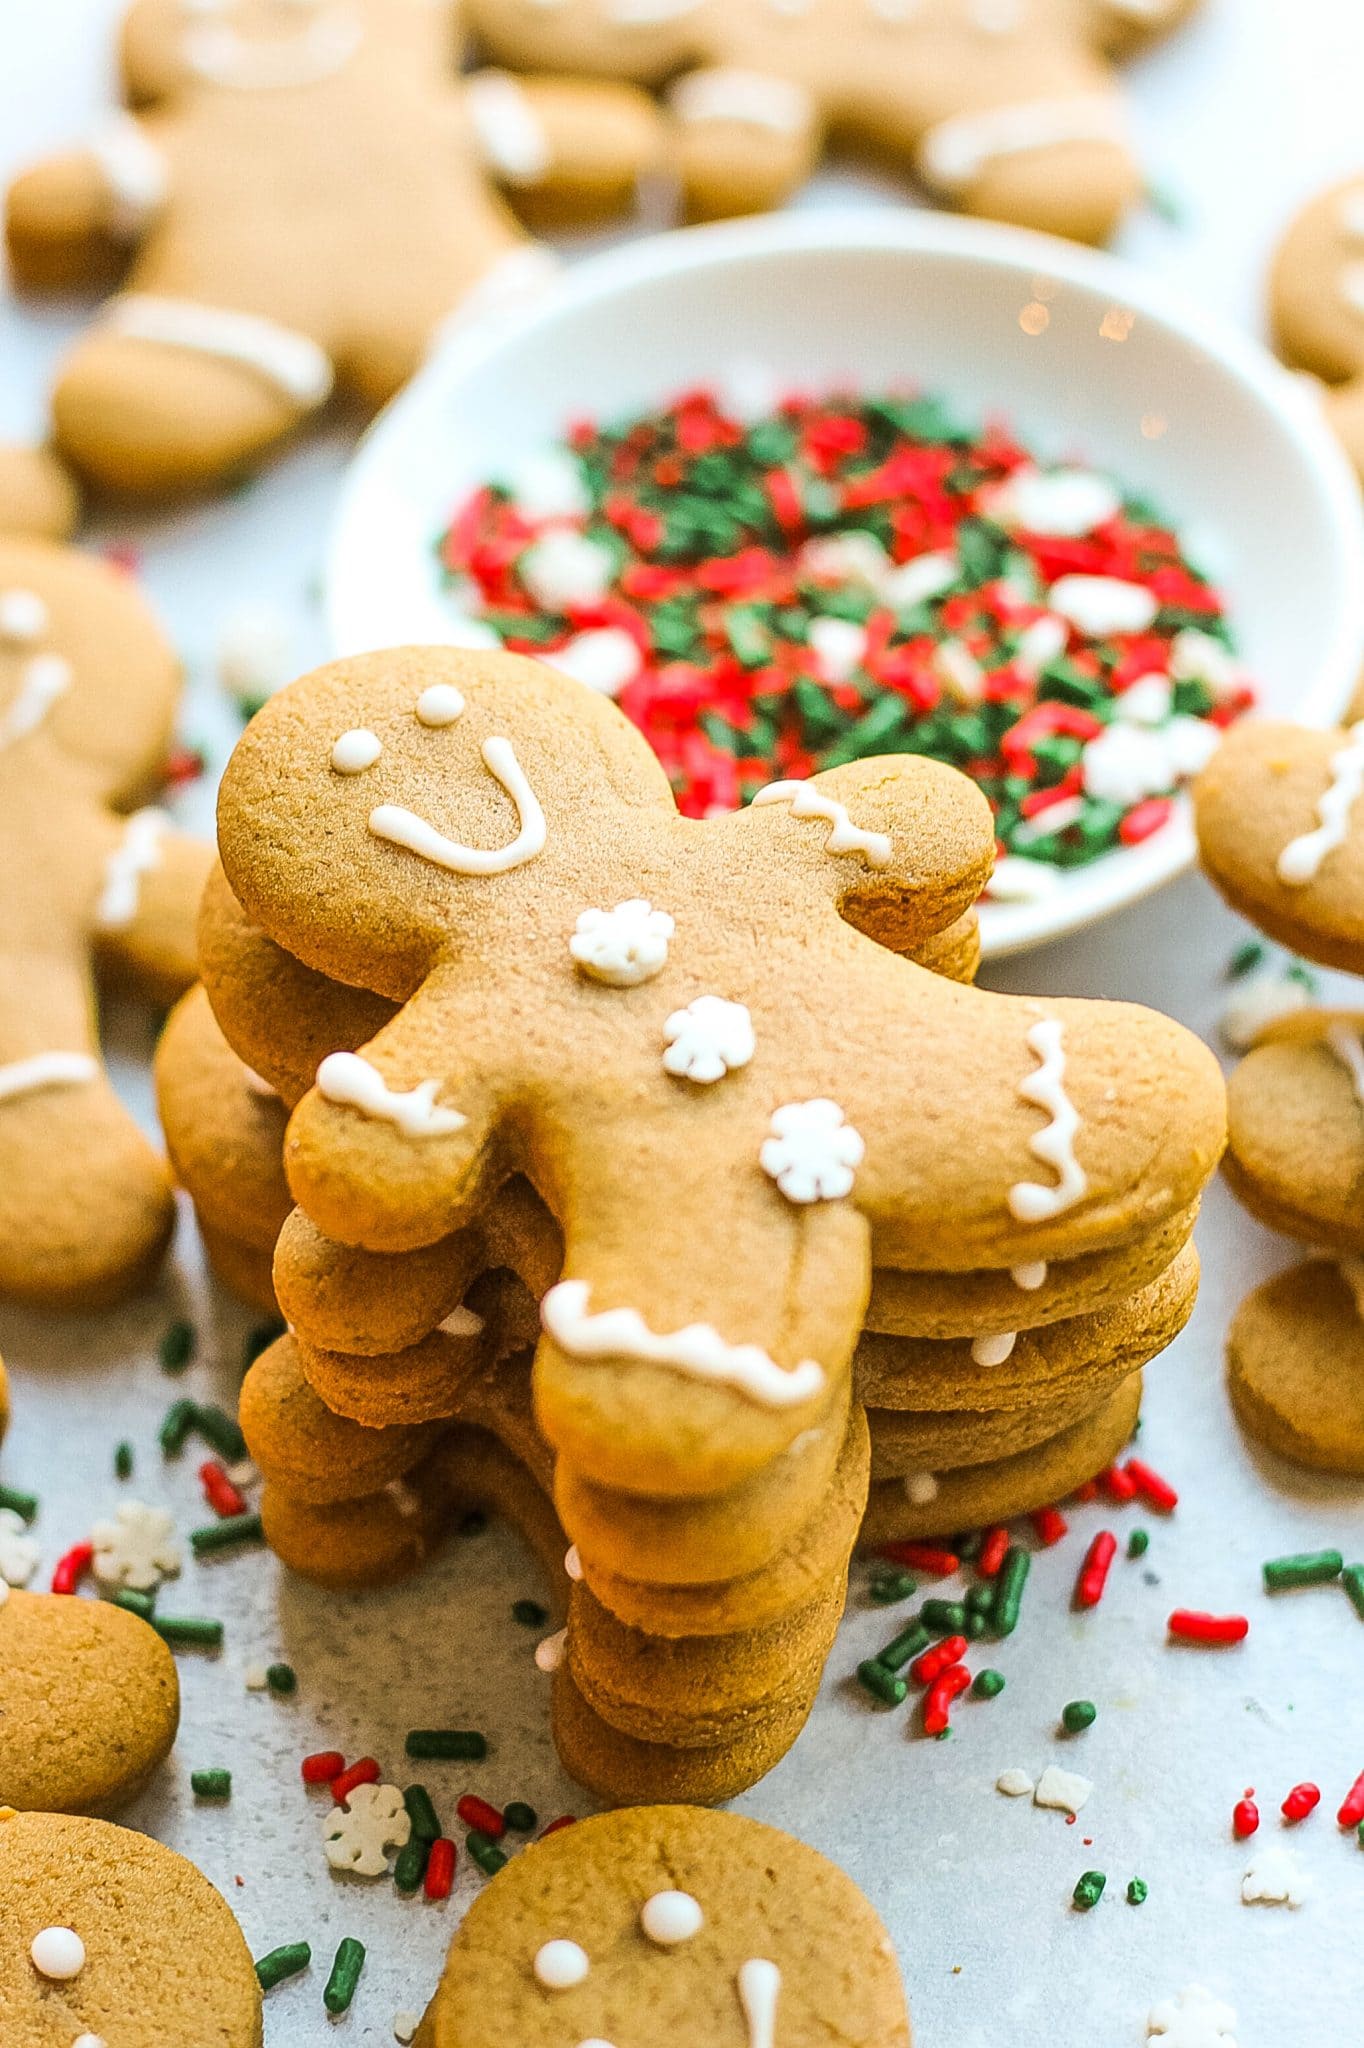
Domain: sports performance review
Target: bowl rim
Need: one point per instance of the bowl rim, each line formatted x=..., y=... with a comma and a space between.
x=1125, y=875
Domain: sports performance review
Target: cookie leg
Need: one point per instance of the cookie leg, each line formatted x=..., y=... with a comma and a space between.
x=566, y=151
x=742, y=140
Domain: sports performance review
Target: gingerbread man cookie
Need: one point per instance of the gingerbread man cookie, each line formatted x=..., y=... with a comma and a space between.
x=88, y=688
x=1316, y=304
x=705, y=1930
x=489, y=871
x=299, y=198
x=1295, y=1364
x=106, y=1936
x=1006, y=108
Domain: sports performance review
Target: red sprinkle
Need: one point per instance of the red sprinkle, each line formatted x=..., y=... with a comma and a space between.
x=1189, y=1627
x=1245, y=1818
x=440, y=1869
x=1049, y=1526
x=71, y=1569
x=1351, y=1811
x=1089, y=1587
x=921, y=1557
x=940, y=1695
x=992, y=1551
x=365, y=1772
x=1301, y=1801
x=222, y=1496
x=1155, y=1491
x=1118, y=1485
x=477, y=1813
x=1145, y=819
x=565, y=1820
x=323, y=1767
x=934, y=1662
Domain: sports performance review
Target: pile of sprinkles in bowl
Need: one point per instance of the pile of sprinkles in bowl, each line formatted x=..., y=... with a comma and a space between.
x=846, y=576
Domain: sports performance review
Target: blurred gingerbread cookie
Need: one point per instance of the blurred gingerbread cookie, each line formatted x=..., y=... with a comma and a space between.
x=1316, y=303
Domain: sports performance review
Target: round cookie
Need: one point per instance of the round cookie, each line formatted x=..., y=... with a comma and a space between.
x=1295, y=1365
x=623, y=1771
x=38, y=497
x=981, y=1494
x=224, y=1129
x=1296, y=1128
x=311, y=1454
x=1316, y=304
x=904, y=1443
x=89, y=1704
x=1281, y=834
x=768, y=1944
x=164, y=1960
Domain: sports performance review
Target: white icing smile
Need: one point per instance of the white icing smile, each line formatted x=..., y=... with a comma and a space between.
x=404, y=828
x=220, y=54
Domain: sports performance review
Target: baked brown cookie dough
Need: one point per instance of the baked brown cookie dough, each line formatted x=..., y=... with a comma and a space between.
x=1295, y=1365
x=224, y=1129
x=89, y=1705
x=106, y=1934
x=38, y=496
x=1296, y=1128
x=1316, y=304
x=666, y=1924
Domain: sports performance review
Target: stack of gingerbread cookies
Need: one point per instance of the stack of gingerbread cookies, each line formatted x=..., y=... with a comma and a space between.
x=632, y=1155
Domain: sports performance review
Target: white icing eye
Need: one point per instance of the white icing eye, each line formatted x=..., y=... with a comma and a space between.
x=559, y=1965
x=440, y=704
x=670, y=1917
x=23, y=615
x=57, y=1953
x=355, y=751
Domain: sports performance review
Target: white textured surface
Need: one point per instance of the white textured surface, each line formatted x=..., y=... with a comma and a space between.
x=1256, y=104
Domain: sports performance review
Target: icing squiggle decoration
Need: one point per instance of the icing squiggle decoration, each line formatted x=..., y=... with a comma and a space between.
x=353, y=1083
x=510, y=134
x=956, y=151
x=137, y=853
x=291, y=361
x=1303, y=856
x=405, y=828
x=549, y=1654
x=759, y=1985
x=920, y=1489
x=217, y=53
x=845, y=837
x=697, y=1350
x=1054, y=1146
x=751, y=99
x=1348, y=1049
x=1029, y=1276
x=23, y=616
x=133, y=170
x=41, y=682
x=46, y=1070
x=993, y=1350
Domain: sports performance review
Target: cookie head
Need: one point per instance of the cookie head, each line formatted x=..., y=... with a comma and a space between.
x=669, y=1923
x=87, y=681
x=1317, y=285
x=239, y=45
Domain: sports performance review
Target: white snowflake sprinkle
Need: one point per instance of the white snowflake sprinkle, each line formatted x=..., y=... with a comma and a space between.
x=138, y=1548
x=1193, y=2018
x=624, y=946
x=1275, y=1878
x=709, y=1039
x=358, y=1836
x=1067, y=1791
x=1015, y=1784
x=812, y=1151
x=18, y=1550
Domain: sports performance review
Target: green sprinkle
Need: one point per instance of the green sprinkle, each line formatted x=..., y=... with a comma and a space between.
x=944, y=1617
x=176, y=1347
x=975, y=1625
x=981, y=1599
x=1077, y=1715
x=519, y=1817
x=1138, y=1891
x=1246, y=959
x=913, y=1638
x=1306, y=1568
x=886, y=1588
x=1138, y=1543
x=1089, y=1890
x=410, y=1867
x=529, y=1613
x=422, y=1813
x=176, y=1424
x=988, y=1685
x=457, y=1745
x=283, y=1962
x=224, y=1535
x=25, y=1505
x=195, y=1631
x=1352, y=1579
x=213, y=1784
x=345, y=1975
x=281, y=1679
x=216, y=1426
x=133, y=1601
x=968, y=1547
x=1360, y=1833
x=484, y=1853
x=123, y=1460
x=881, y=1683
x=1009, y=1584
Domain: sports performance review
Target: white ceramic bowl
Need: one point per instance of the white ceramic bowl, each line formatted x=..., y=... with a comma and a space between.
x=1122, y=374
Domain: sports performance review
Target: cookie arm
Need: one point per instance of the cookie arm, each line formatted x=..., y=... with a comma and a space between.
x=148, y=906
x=74, y=220
x=566, y=151
x=743, y=141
